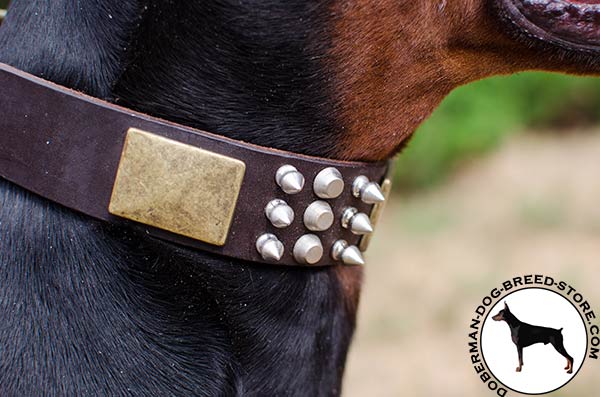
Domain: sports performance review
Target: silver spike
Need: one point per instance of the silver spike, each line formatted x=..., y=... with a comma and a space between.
x=318, y=217
x=329, y=183
x=279, y=213
x=269, y=247
x=353, y=256
x=358, y=222
x=361, y=224
x=368, y=192
x=348, y=254
x=289, y=179
x=372, y=194
x=308, y=249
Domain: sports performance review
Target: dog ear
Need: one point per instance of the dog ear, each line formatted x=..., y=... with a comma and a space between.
x=506, y=306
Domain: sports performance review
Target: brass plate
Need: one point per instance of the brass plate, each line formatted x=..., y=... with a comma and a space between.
x=176, y=187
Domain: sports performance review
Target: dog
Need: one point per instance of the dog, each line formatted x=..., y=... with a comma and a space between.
x=94, y=308
x=524, y=335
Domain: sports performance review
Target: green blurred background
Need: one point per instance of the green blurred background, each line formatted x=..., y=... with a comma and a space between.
x=477, y=118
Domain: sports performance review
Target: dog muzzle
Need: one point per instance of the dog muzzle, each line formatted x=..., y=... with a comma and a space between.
x=183, y=185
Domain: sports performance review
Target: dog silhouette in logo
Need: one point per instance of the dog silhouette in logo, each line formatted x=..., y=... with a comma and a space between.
x=524, y=335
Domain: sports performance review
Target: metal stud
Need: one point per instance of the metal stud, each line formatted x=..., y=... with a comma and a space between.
x=329, y=183
x=348, y=254
x=358, y=222
x=289, y=179
x=308, y=249
x=269, y=247
x=376, y=213
x=318, y=217
x=361, y=224
x=353, y=256
x=337, y=249
x=347, y=216
x=369, y=192
x=279, y=213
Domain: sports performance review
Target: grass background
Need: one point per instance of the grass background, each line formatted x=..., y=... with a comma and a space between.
x=477, y=118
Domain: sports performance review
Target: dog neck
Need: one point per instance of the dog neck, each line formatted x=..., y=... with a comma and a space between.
x=255, y=72
x=511, y=320
x=345, y=80
x=304, y=77
x=339, y=79
x=202, y=324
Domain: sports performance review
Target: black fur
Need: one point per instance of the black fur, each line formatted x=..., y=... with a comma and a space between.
x=251, y=70
x=92, y=309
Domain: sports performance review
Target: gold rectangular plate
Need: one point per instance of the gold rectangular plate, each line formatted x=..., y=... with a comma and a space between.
x=176, y=187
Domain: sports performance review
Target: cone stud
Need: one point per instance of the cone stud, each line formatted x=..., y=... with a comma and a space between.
x=318, y=217
x=279, y=213
x=348, y=254
x=289, y=179
x=369, y=192
x=358, y=222
x=269, y=247
x=308, y=250
x=328, y=183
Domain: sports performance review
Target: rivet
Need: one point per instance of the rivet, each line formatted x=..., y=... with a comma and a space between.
x=318, y=217
x=308, y=249
x=361, y=224
x=329, y=183
x=289, y=179
x=375, y=215
x=358, y=222
x=348, y=254
x=269, y=247
x=337, y=249
x=347, y=216
x=279, y=213
x=369, y=192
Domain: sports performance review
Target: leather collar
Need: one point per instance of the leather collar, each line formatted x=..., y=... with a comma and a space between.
x=182, y=185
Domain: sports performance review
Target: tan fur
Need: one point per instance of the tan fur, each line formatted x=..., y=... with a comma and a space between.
x=395, y=60
x=350, y=279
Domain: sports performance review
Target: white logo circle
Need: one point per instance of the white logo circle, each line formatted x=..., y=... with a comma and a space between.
x=546, y=328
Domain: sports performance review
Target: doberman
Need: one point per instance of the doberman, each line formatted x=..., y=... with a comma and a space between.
x=524, y=335
x=89, y=308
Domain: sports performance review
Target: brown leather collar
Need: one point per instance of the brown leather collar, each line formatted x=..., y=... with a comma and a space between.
x=179, y=184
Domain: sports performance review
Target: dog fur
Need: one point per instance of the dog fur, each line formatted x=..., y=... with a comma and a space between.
x=89, y=308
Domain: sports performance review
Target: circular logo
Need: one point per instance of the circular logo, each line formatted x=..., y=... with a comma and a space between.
x=531, y=335
x=534, y=341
